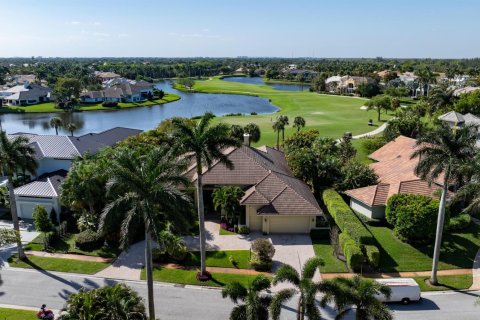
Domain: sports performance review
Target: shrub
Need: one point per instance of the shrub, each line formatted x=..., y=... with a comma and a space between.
x=41, y=219
x=353, y=254
x=53, y=217
x=373, y=255
x=110, y=104
x=88, y=240
x=253, y=113
x=460, y=222
x=345, y=218
x=413, y=217
x=262, y=254
x=159, y=255
x=244, y=230
x=371, y=144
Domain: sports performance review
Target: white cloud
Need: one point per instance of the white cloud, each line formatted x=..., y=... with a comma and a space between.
x=101, y=34
x=74, y=22
x=123, y=35
x=84, y=31
x=97, y=23
x=194, y=35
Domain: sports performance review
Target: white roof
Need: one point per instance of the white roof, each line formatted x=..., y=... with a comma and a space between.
x=333, y=79
x=37, y=189
x=397, y=282
x=51, y=146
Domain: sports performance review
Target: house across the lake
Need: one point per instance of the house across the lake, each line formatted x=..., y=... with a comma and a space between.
x=135, y=91
x=395, y=170
x=54, y=156
x=25, y=94
x=274, y=201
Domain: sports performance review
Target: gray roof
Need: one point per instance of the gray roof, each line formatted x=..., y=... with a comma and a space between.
x=471, y=119
x=93, y=142
x=27, y=91
x=452, y=116
x=47, y=185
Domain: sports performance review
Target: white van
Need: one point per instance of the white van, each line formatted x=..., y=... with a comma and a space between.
x=404, y=290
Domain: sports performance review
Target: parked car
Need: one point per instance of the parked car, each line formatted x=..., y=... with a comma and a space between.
x=404, y=290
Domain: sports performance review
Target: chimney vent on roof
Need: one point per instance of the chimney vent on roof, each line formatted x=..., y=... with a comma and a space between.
x=246, y=139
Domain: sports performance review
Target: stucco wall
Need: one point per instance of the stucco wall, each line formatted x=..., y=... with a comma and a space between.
x=376, y=212
x=50, y=165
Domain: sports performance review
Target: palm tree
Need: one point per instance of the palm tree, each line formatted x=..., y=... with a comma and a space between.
x=359, y=292
x=204, y=144
x=443, y=151
x=71, y=127
x=426, y=77
x=237, y=132
x=145, y=188
x=16, y=153
x=228, y=200
x=304, y=284
x=298, y=122
x=441, y=98
x=278, y=126
x=56, y=123
x=284, y=120
x=255, y=304
x=254, y=131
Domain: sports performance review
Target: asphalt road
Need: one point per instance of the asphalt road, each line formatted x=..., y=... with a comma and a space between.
x=32, y=288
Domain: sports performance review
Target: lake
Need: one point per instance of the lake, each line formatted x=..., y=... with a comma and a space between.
x=144, y=118
x=276, y=86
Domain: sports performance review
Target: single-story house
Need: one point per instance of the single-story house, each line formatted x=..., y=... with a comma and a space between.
x=396, y=174
x=456, y=119
x=106, y=75
x=122, y=92
x=274, y=201
x=55, y=155
x=25, y=94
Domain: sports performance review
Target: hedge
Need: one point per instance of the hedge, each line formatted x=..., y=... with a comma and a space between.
x=353, y=253
x=88, y=240
x=345, y=218
x=373, y=255
x=460, y=222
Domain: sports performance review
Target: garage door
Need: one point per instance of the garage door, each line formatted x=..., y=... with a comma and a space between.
x=27, y=208
x=289, y=224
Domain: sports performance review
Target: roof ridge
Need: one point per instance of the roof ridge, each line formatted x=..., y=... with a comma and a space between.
x=273, y=199
x=51, y=185
x=39, y=147
x=73, y=145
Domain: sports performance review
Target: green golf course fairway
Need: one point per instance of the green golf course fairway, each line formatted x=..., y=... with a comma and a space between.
x=331, y=115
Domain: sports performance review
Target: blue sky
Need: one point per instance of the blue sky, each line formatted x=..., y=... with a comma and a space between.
x=219, y=28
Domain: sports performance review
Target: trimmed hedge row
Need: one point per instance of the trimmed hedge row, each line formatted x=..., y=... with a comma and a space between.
x=352, y=252
x=345, y=219
x=373, y=255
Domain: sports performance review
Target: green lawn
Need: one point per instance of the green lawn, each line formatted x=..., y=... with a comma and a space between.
x=331, y=115
x=362, y=155
x=17, y=314
x=50, y=106
x=224, y=232
x=324, y=250
x=67, y=245
x=56, y=264
x=221, y=259
x=453, y=282
x=189, y=277
x=458, y=251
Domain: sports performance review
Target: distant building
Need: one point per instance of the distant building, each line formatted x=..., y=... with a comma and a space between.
x=345, y=84
x=21, y=79
x=123, y=92
x=304, y=72
x=105, y=76
x=456, y=119
x=25, y=94
x=407, y=77
x=460, y=91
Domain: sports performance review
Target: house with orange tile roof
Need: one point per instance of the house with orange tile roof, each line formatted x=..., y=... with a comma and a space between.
x=396, y=174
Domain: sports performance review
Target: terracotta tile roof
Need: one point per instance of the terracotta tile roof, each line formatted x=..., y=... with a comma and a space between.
x=396, y=174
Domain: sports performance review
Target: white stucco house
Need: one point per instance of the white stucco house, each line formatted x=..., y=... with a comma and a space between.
x=456, y=119
x=54, y=156
x=25, y=94
x=129, y=91
x=274, y=201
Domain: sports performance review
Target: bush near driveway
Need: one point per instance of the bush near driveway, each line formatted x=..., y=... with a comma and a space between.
x=460, y=222
x=262, y=254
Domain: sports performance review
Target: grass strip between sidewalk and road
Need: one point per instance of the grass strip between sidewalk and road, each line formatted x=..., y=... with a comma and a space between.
x=17, y=314
x=188, y=277
x=57, y=264
x=220, y=259
x=324, y=250
x=451, y=282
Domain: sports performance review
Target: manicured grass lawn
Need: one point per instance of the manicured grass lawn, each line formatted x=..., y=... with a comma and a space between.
x=56, y=264
x=17, y=314
x=453, y=282
x=362, y=155
x=331, y=115
x=50, y=106
x=189, y=277
x=458, y=251
x=324, y=250
x=221, y=259
x=224, y=232
x=67, y=245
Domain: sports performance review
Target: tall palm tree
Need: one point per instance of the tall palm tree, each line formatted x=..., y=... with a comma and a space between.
x=255, y=303
x=441, y=98
x=284, y=120
x=16, y=153
x=56, y=123
x=254, y=131
x=358, y=292
x=426, y=77
x=443, y=153
x=298, y=122
x=304, y=284
x=204, y=144
x=145, y=188
x=278, y=126
x=71, y=127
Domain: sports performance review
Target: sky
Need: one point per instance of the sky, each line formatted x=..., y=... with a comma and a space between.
x=231, y=28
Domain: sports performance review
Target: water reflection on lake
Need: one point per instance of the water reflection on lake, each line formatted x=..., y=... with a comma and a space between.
x=144, y=118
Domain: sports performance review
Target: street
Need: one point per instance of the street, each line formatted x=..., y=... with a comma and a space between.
x=32, y=288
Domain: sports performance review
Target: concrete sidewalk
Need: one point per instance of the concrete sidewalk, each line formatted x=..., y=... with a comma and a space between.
x=128, y=265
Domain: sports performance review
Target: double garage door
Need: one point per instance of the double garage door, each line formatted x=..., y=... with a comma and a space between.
x=26, y=207
x=294, y=224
